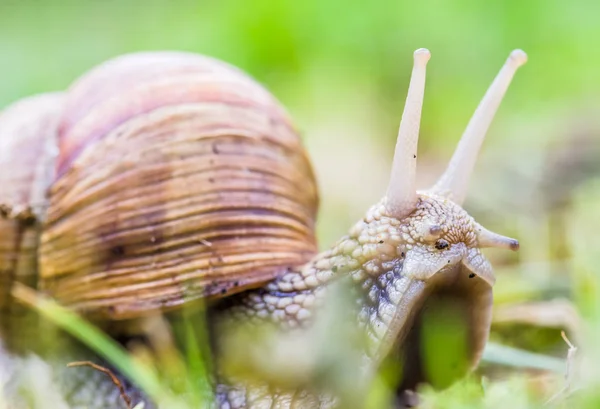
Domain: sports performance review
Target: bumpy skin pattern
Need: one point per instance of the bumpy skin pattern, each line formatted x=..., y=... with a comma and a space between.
x=391, y=262
x=265, y=397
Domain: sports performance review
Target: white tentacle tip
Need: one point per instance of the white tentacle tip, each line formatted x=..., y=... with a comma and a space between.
x=422, y=55
x=517, y=58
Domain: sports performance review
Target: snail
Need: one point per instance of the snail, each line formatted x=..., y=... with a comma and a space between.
x=164, y=178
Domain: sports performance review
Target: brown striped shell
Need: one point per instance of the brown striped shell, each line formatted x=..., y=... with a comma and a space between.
x=178, y=178
x=28, y=136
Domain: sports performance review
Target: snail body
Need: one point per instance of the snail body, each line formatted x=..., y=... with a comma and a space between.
x=173, y=177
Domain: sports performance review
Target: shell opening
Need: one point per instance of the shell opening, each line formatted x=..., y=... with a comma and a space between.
x=401, y=194
x=454, y=182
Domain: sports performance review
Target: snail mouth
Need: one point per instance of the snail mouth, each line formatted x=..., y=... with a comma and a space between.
x=446, y=331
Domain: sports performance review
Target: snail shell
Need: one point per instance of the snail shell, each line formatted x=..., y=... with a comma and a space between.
x=178, y=177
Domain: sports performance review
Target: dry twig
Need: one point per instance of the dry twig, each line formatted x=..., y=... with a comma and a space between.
x=108, y=372
x=569, y=374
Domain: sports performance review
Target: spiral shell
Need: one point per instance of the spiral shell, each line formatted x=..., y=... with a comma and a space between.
x=179, y=178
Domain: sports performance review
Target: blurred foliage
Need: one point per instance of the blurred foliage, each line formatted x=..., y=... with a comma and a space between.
x=342, y=69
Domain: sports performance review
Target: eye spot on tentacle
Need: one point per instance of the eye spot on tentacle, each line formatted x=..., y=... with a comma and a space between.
x=472, y=275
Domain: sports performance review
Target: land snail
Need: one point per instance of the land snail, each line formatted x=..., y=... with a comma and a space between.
x=163, y=178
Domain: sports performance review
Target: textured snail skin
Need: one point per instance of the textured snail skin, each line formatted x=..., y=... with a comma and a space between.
x=394, y=266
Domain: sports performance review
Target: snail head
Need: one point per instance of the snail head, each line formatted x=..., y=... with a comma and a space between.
x=442, y=232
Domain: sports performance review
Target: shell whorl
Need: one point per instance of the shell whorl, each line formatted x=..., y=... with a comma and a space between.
x=179, y=178
x=28, y=133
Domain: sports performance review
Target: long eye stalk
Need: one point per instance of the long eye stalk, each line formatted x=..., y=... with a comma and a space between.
x=454, y=182
x=401, y=195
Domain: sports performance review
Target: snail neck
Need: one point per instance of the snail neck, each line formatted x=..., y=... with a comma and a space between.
x=364, y=260
x=343, y=300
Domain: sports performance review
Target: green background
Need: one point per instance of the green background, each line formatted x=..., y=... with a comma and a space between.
x=342, y=69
